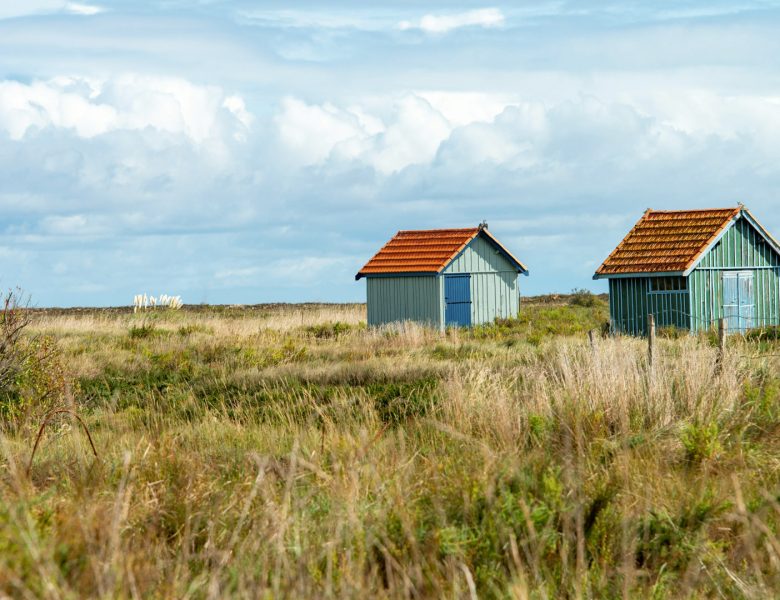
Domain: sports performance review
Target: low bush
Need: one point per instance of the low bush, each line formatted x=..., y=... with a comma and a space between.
x=701, y=441
x=329, y=330
x=143, y=331
x=32, y=373
x=584, y=298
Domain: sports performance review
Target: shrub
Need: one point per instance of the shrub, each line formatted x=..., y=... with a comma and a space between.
x=329, y=330
x=14, y=353
x=32, y=375
x=700, y=442
x=192, y=328
x=143, y=331
x=583, y=297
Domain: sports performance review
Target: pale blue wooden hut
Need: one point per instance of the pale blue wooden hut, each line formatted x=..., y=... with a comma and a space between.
x=442, y=278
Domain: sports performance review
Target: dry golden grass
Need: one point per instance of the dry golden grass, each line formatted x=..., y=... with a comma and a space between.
x=302, y=455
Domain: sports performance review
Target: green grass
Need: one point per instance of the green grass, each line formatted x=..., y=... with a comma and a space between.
x=295, y=453
x=539, y=322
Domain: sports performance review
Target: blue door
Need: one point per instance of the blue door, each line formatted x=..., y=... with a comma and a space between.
x=738, y=300
x=457, y=298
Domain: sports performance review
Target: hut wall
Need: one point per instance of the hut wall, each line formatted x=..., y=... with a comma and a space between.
x=494, y=281
x=670, y=309
x=393, y=299
x=742, y=248
x=628, y=306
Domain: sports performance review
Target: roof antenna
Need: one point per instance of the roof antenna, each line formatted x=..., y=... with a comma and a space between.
x=483, y=225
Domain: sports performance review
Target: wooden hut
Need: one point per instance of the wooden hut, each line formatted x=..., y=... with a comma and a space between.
x=442, y=277
x=691, y=268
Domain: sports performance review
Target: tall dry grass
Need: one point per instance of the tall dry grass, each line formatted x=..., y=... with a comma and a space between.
x=303, y=459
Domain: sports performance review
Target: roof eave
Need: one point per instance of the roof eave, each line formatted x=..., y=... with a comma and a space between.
x=634, y=274
x=397, y=274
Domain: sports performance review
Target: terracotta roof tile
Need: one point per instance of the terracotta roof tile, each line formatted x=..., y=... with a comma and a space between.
x=427, y=251
x=667, y=241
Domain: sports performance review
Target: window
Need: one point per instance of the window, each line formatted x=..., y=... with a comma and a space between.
x=668, y=284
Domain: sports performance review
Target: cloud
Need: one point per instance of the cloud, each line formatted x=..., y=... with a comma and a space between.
x=421, y=128
x=311, y=132
x=78, y=8
x=484, y=17
x=178, y=147
x=300, y=270
x=312, y=19
x=375, y=20
x=559, y=182
x=403, y=132
x=9, y=10
x=92, y=107
x=26, y=8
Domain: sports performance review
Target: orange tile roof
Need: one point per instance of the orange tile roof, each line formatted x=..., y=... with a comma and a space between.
x=425, y=251
x=667, y=241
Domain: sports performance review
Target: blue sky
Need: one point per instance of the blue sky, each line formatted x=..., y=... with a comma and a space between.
x=242, y=152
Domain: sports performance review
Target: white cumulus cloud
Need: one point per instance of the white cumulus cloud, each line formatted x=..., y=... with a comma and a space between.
x=387, y=137
x=483, y=17
x=90, y=107
x=311, y=132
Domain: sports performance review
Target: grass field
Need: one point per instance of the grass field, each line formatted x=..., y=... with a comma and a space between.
x=288, y=452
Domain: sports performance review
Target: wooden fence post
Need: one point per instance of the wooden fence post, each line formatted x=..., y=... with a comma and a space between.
x=592, y=340
x=722, y=331
x=651, y=339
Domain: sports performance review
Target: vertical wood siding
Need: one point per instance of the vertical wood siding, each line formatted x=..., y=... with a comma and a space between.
x=628, y=305
x=742, y=248
x=670, y=309
x=494, y=281
x=393, y=299
x=631, y=300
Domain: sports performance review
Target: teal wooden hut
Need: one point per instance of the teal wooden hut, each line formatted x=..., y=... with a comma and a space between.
x=442, y=278
x=691, y=268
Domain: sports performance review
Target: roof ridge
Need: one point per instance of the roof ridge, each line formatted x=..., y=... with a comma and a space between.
x=461, y=229
x=689, y=210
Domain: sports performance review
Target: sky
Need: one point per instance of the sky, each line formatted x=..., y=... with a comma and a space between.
x=244, y=152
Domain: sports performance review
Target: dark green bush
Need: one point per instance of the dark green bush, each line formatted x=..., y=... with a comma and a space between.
x=143, y=331
x=329, y=330
x=583, y=297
